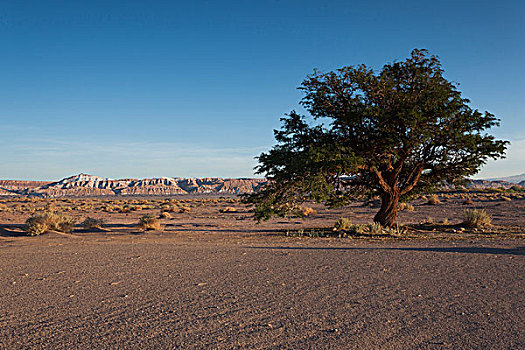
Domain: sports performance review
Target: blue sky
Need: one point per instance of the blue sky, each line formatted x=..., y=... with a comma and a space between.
x=195, y=88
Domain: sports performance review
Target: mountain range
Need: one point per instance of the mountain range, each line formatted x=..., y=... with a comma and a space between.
x=514, y=179
x=90, y=185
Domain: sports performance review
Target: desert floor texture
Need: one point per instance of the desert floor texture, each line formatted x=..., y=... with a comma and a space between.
x=213, y=278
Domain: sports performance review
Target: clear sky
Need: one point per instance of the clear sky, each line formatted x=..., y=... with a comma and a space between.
x=195, y=88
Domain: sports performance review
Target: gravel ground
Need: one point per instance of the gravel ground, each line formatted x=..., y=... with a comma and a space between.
x=259, y=291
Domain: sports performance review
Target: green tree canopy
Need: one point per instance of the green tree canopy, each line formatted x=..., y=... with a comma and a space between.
x=392, y=133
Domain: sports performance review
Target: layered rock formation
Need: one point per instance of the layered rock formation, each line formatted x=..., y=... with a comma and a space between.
x=90, y=185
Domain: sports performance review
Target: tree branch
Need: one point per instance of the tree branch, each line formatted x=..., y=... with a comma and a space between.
x=413, y=178
x=384, y=185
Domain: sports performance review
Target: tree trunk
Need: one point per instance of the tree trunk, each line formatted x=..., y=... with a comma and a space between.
x=387, y=215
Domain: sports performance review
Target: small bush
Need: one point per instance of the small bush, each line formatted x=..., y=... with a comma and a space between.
x=428, y=220
x=468, y=201
x=168, y=207
x=92, y=223
x=36, y=225
x=184, y=209
x=375, y=228
x=477, y=218
x=40, y=223
x=149, y=222
x=406, y=206
x=342, y=224
x=434, y=200
x=308, y=211
x=165, y=215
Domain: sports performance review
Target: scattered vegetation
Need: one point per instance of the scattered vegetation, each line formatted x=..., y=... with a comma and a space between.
x=40, y=223
x=371, y=230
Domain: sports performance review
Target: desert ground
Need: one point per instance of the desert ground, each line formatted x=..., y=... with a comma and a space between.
x=211, y=277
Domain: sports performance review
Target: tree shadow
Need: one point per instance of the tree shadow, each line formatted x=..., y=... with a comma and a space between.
x=464, y=250
x=12, y=231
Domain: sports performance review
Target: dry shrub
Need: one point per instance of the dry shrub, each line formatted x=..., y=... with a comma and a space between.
x=477, y=218
x=148, y=222
x=184, y=209
x=40, y=223
x=229, y=210
x=165, y=215
x=343, y=224
x=36, y=225
x=375, y=228
x=468, y=201
x=506, y=199
x=434, y=200
x=168, y=207
x=306, y=211
x=406, y=206
x=92, y=223
x=428, y=220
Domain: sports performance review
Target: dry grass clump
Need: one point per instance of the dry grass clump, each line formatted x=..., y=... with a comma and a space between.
x=343, y=224
x=165, y=215
x=375, y=228
x=184, y=209
x=433, y=200
x=92, y=223
x=36, y=225
x=506, y=199
x=306, y=211
x=168, y=207
x=343, y=228
x=477, y=218
x=406, y=206
x=40, y=223
x=428, y=220
x=148, y=222
x=468, y=201
x=229, y=210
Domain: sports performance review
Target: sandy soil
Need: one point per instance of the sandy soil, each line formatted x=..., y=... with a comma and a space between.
x=217, y=280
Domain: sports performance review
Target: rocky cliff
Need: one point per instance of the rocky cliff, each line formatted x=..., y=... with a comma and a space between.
x=90, y=185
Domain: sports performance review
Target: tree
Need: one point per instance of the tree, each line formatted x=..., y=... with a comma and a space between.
x=392, y=134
